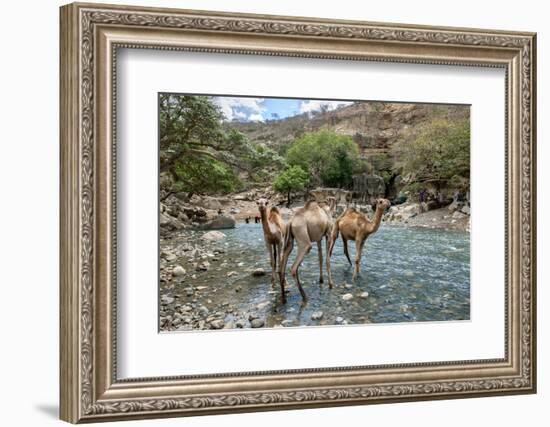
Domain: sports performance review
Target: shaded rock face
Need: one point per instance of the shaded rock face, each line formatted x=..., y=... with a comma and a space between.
x=219, y=223
x=322, y=194
x=369, y=187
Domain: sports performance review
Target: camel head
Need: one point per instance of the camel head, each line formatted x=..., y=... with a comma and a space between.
x=262, y=204
x=382, y=204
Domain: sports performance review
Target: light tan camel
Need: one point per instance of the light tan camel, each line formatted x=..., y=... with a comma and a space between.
x=356, y=226
x=274, y=233
x=308, y=225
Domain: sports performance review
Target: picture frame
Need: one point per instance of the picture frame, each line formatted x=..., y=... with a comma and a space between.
x=91, y=35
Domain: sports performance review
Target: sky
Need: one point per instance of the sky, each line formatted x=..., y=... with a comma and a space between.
x=246, y=109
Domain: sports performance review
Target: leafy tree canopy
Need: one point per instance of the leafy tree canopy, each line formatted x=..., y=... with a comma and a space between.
x=330, y=159
x=198, y=153
x=293, y=178
x=438, y=151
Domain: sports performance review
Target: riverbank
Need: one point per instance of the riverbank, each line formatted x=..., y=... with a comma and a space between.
x=218, y=213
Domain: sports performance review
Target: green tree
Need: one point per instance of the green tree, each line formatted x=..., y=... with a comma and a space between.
x=198, y=152
x=331, y=159
x=437, y=152
x=293, y=178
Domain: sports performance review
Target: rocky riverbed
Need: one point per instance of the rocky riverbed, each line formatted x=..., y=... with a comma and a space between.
x=221, y=280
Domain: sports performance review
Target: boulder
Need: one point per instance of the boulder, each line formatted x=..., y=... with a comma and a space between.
x=221, y=222
x=465, y=210
x=170, y=223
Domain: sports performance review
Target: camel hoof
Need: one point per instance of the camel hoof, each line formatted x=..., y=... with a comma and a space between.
x=321, y=280
x=330, y=285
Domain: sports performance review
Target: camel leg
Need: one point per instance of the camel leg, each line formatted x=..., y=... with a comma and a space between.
x=270, y=249
x=332, y=239
x=359, y=243
x=329, y=242
x=302, y=252
x=279, y=259
x=320, y=250
x=345, y=243
x=289, y=244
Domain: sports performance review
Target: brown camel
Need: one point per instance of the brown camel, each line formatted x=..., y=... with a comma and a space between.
x=274, y=233
x=356, y=226
x=308, y=225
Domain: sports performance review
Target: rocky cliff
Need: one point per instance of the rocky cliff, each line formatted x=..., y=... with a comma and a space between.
x=374, y=126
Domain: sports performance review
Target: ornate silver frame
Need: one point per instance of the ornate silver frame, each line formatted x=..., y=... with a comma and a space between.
x=90, y=36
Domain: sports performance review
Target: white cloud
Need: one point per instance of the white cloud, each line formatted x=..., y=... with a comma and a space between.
x=243, y=109
x=316, y=105
x=255, y=118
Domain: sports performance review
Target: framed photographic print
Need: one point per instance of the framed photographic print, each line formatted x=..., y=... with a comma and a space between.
x=267, y=212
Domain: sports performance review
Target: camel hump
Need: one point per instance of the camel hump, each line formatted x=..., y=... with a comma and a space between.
x=350, y=210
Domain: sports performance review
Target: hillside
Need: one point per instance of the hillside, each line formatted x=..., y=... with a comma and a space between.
x=374, y=126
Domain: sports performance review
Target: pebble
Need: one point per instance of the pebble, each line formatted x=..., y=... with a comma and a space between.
x=166, y=300
x=317, y=315
x=203, y=266
x=217, y=324
x=257, y=323
x=262, y=305
x=347, y=297
x=178, y=270
x=339, y=320
x=288, y=322
x=231, y=273
x=364, y=294
x=253, y=316
x=240, y=323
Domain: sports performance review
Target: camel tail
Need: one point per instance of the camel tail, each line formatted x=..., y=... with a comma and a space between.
x=288, y=237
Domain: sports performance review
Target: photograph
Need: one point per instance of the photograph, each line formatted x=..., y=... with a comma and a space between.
x=292, y=212
x=236, y=184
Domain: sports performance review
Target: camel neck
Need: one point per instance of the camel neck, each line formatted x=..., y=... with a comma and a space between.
x=377, y=218
x=265, y=226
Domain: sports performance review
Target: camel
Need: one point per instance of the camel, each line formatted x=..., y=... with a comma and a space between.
x=274, y=232
x=308, y=225
x=356, y=226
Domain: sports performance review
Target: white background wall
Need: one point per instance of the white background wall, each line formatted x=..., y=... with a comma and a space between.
x=29, y=170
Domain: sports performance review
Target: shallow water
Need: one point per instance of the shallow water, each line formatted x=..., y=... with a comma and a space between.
x=410, y=274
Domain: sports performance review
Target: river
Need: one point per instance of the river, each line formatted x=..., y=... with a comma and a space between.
x=407, y=274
